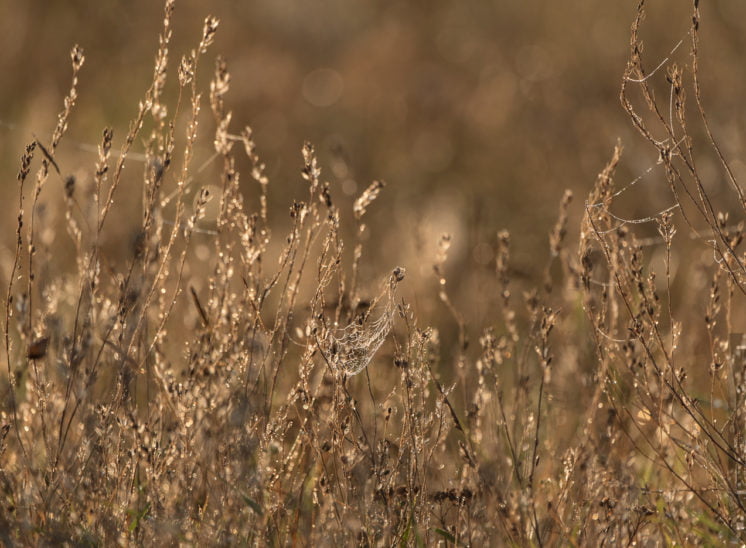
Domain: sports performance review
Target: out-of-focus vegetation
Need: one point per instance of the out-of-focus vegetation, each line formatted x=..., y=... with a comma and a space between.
x=480, y=113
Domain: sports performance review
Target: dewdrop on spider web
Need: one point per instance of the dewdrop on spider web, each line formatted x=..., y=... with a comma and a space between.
x=352, y=348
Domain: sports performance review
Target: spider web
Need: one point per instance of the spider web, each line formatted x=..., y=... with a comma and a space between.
x=352, y=348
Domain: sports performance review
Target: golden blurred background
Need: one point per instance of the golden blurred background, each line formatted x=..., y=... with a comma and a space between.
x=476, y=114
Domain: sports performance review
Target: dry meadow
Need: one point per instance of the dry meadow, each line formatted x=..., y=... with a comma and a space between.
x=362, y=343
